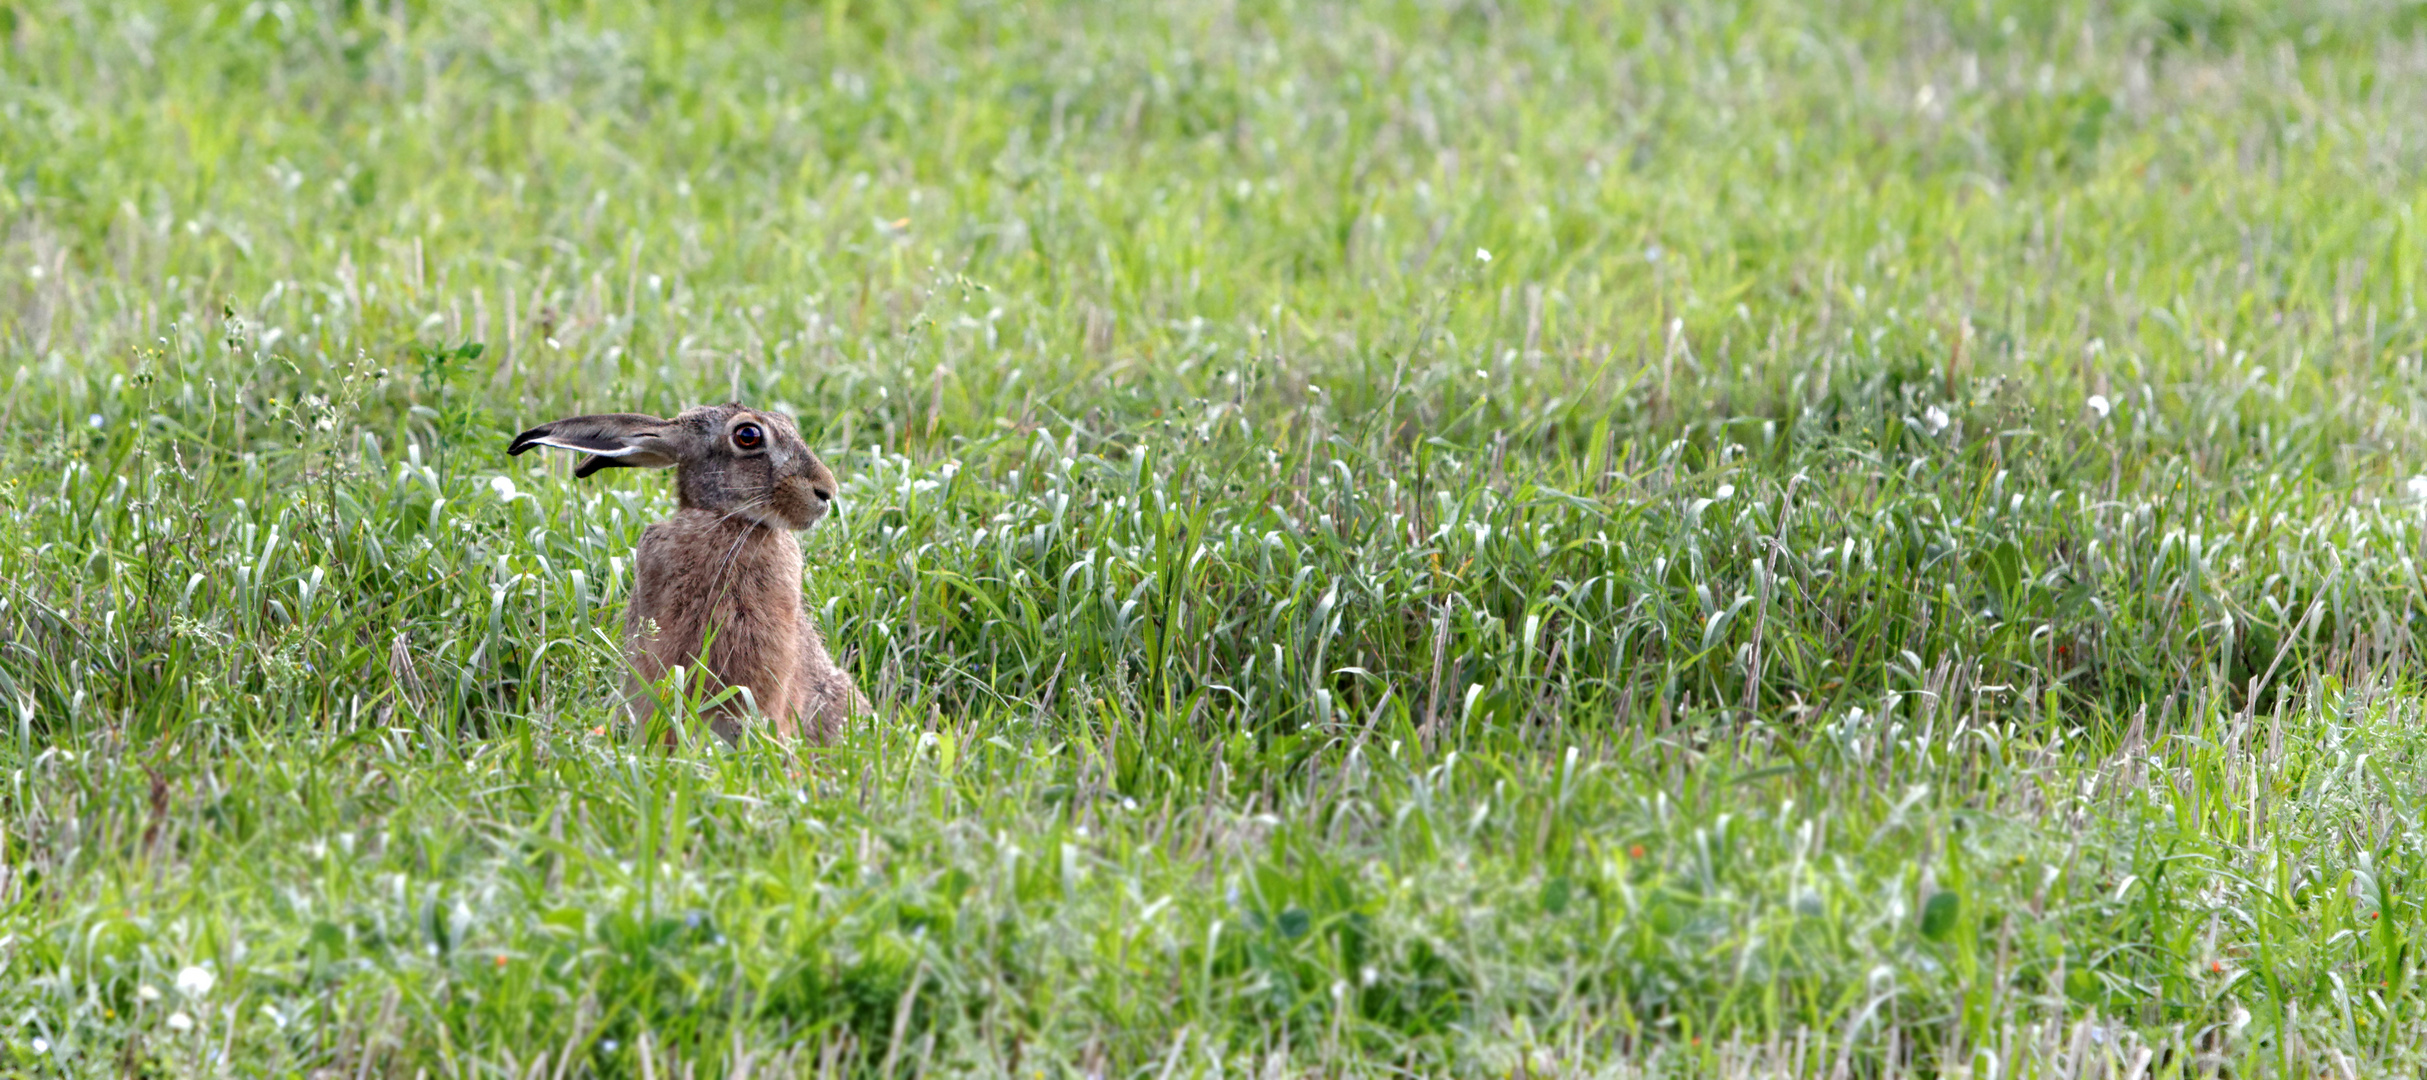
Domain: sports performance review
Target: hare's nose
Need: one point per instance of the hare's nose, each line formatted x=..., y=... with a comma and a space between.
x=824, y=495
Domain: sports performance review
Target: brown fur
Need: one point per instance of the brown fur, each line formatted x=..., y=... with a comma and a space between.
x=725, y=570
x=763, y=638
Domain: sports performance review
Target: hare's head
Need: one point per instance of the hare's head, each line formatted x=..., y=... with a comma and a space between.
x=726, y=458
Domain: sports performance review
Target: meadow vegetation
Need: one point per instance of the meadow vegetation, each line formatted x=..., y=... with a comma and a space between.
x=1464, y=537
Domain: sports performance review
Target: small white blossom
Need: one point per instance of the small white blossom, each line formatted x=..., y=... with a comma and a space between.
x=179, y=1021
x=1934, y=420
x=41, y=1046
x=504, y=488
x=1482, y=255
x=194, y=982
x=147, y=992
x=2099, y=404
x=1724, y=491
x=2416, y=487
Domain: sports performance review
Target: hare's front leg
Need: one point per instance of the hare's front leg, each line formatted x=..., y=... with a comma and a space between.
x=661, y=631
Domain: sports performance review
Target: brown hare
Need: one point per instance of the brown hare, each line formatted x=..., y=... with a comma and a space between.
x=725, y=568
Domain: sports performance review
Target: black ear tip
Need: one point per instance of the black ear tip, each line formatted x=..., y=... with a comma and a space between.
x=526, y=440
x=592, y=464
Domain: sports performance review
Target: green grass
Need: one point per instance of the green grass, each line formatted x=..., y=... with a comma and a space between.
x=1487, y=538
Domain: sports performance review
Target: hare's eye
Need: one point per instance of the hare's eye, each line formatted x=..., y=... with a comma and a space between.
x=749, y=437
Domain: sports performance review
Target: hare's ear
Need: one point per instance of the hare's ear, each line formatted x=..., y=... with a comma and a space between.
x=613, y=441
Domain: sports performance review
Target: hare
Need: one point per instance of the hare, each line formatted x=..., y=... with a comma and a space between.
x=725, y=569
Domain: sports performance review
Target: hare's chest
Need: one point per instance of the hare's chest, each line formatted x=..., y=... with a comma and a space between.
x=687, y=574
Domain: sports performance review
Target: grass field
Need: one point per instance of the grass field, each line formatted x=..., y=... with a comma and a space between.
x=1485, y=538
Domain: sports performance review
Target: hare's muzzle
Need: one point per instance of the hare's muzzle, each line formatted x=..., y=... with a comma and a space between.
x=802, y=500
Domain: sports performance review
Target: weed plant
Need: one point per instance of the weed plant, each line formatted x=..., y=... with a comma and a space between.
x=1465, y=538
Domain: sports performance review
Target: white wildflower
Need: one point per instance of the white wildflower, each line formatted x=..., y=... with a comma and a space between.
x=1482, y=255
x=147, y=992
x=194, y=982
x=2416, y=488
x=178, y=1021
x=504, y=487
x=1934, y=420
x=2099, y=404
